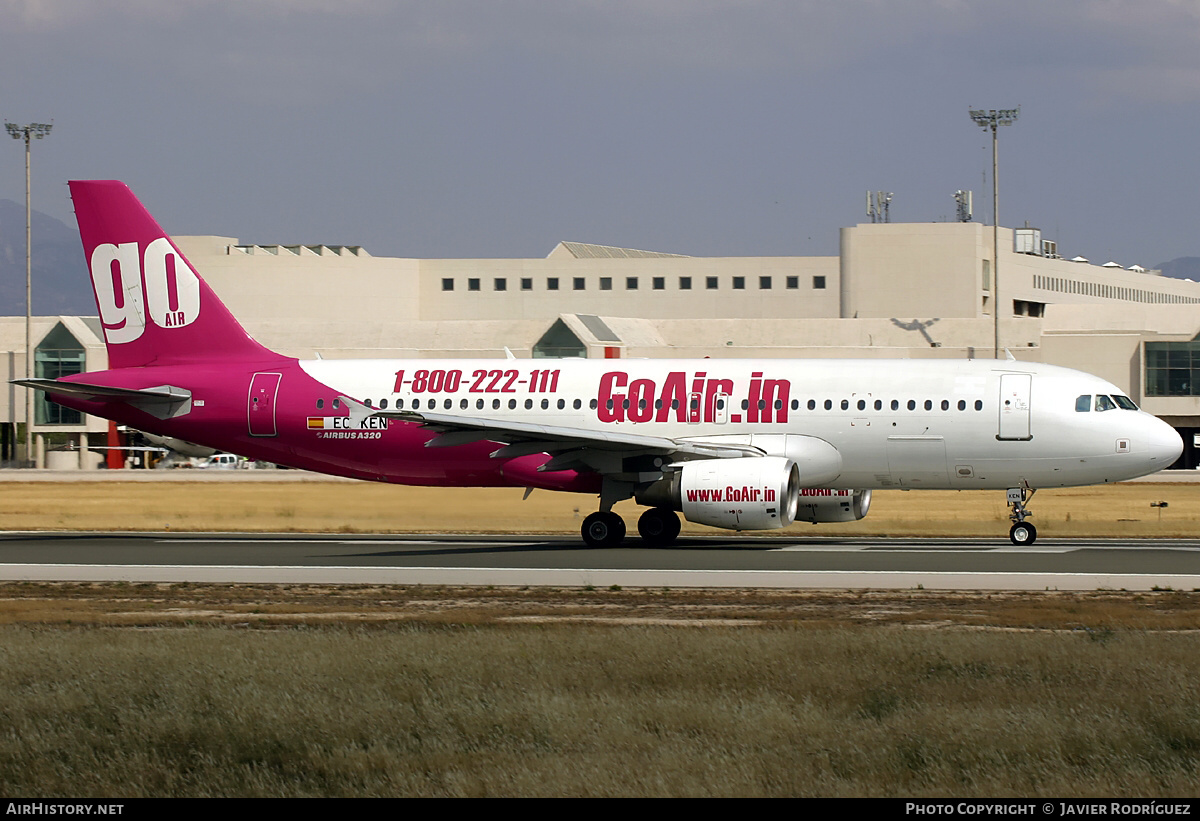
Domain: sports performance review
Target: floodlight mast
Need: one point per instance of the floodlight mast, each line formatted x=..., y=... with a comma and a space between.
x=993, y=119
x=26, y=133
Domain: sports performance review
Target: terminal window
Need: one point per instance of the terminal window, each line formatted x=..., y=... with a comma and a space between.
x=552, y=283
x=764, y=283
x=447, y=284
x=739, y=283
x=710, y=283
x=605, y=283
x=685, y=283
x=659, y=283
x=818, y=283
x=526, y=284
x=59, y=354
x=1173, y=368
x=793, y=283
x=472, y=284
x=631, y=283
x=500, y=284
x=578, y=283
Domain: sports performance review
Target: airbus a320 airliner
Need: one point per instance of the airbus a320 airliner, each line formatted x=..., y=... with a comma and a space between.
x=737, y=444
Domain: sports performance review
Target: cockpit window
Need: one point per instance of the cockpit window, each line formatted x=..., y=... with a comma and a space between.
x=1103, y=403
x=1124, y=401
x=1084, y=403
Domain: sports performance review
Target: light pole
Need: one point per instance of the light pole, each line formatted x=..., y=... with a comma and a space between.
x=28, y=132
x=993, y=119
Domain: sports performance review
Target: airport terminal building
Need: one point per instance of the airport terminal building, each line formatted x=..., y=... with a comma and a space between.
x=895, y=290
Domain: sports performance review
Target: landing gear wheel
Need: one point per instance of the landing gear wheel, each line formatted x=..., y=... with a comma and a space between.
x=1023, y=534
x=658, y=526
x=602, y=529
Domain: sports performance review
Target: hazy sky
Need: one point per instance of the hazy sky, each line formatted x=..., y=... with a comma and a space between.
x=494, y=128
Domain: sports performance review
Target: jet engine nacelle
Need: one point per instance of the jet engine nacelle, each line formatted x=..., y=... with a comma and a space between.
x=749, y=493
x=818, y=504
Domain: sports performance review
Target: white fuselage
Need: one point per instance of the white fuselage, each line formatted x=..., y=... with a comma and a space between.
x=846, y=423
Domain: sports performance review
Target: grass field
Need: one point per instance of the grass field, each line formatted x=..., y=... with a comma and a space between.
x=1106, y=511
x=202, y=690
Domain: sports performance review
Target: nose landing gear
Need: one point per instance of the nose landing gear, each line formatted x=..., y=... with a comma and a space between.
x=1022, y=533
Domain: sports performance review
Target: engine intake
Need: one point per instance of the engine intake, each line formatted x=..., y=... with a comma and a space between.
x=749, y=493
x=820, y=504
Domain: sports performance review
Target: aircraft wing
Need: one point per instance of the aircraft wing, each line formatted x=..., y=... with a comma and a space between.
x=570, y=448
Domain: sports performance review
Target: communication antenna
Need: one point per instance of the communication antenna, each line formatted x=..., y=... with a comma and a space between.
x=878, y=204
x=964, y=201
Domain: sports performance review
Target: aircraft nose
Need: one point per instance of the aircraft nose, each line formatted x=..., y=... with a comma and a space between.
x=1165, y=444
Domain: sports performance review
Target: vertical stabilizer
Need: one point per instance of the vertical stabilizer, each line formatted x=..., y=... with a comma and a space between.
x=154, y=307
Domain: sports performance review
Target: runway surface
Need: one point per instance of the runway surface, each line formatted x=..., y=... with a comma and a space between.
x=718, y=561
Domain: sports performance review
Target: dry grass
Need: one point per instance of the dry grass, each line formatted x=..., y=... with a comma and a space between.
x=586, y=711
x=316, y=690
x=1106, y=511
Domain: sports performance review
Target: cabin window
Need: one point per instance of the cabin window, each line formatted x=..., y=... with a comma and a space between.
x=1084, y=403
x=320, y=404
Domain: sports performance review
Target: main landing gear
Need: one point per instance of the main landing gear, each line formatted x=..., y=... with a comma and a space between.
x=658, y=527
x=1022, y=533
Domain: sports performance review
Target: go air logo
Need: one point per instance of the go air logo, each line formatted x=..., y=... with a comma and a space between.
x=171, y=289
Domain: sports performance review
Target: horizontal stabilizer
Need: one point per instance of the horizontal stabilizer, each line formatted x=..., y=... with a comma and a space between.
x=162, y=401
x=166, y=393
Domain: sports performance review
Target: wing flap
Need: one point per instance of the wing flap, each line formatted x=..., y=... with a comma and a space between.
x=537, y=438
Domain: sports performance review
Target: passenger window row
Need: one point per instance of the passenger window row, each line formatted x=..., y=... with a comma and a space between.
x=812, y=404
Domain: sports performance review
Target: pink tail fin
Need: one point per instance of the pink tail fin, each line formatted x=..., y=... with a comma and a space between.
x=154, y=307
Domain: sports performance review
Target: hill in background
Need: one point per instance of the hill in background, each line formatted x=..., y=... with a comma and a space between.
x=60, y=277
x=1181, y=268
